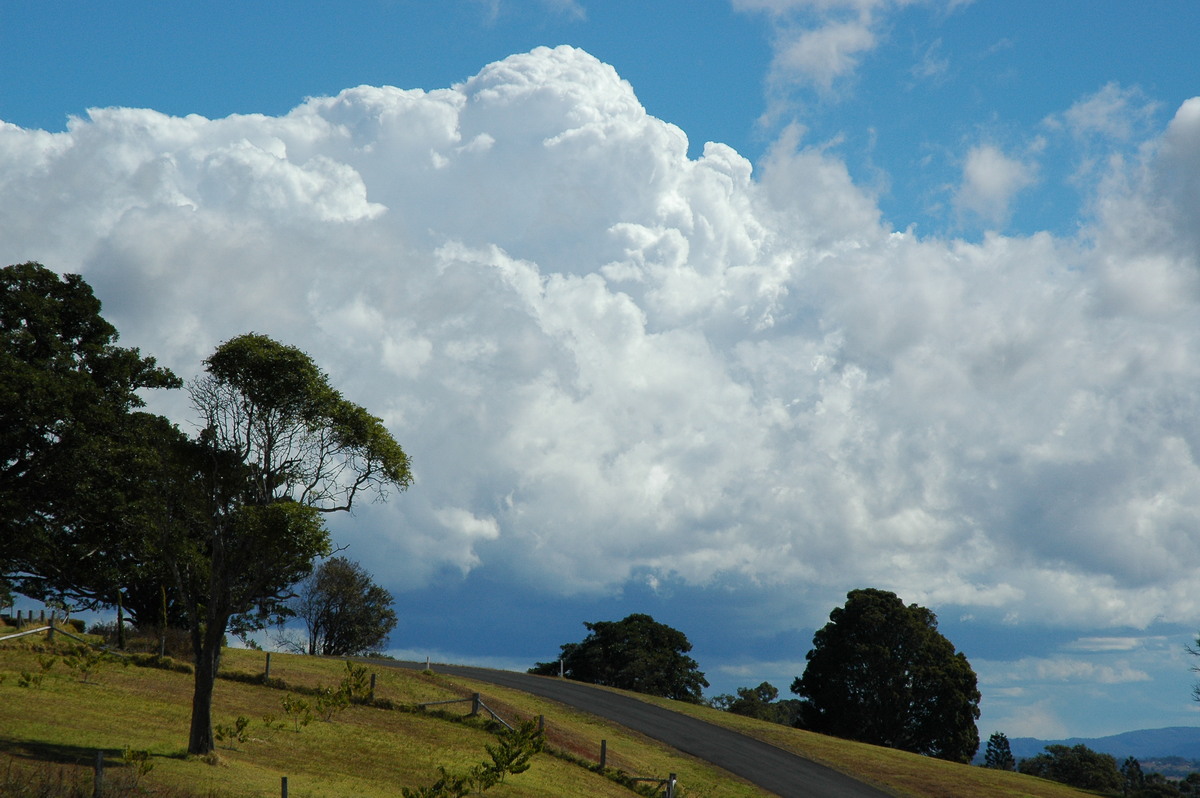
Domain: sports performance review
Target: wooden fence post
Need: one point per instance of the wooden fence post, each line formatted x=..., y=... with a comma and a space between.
x=267, y=673
x=372, y=696
x=98, y=776
x=603, y=753
x=475, y=702
x=283, y=787
x=671, y=785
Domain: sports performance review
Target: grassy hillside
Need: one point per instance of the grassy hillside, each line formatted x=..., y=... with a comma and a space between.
x=49, y=733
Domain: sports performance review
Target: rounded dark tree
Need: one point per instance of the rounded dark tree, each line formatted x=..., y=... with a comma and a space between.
x=343, y=610
x=880, y=672
x=636, y=653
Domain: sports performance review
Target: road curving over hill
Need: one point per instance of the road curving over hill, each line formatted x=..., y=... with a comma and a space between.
x=771, y=768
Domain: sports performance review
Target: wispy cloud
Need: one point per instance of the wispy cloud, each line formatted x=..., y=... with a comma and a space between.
x=991, y=181
x=818, y=43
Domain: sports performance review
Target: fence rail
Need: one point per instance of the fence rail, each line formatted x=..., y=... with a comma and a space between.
x=476, y=705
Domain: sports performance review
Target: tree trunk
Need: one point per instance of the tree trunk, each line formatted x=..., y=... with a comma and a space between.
x=120, y=621
x=208, y=662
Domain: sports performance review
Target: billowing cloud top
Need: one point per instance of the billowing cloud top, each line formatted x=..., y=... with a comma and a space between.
x=612, y=362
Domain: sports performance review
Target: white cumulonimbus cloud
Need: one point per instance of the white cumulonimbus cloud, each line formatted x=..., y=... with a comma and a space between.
x=613, y=362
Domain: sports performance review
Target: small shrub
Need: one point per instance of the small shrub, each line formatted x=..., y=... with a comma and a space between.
x=271, y=723
x=298, y=710
x=330, y=702
x=511, y=755
x=356, y=683
x=138, y=762
x=28, y=679
x=86, y=660
x=235, y=733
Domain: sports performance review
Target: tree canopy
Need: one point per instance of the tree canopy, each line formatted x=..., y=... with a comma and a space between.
x=279, y=447
x=1078, y=766
x=881, y=673
x=759, y=702
x=113, y=506
x=999, y=755
x=69, y=438
x=343, y=610
x=637, y=654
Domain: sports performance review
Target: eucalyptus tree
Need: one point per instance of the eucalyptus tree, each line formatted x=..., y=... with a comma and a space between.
x=343, y=610
x=278, y=449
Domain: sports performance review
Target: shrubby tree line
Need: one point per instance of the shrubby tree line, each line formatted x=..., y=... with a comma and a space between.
x=105, y=505
x=1081, y=767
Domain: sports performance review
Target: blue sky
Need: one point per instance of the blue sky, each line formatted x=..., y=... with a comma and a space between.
x=924, y=318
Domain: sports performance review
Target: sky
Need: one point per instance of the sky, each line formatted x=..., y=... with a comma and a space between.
x=709, y=309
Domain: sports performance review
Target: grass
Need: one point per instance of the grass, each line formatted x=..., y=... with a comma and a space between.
x=49, y=735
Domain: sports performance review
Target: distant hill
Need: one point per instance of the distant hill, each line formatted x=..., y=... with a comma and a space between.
x=1171, y=751
x=1176, y=741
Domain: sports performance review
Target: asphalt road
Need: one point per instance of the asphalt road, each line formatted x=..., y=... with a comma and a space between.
x=771, y=768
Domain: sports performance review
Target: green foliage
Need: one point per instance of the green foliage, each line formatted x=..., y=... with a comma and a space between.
x=297, y=710
x=35, y=679
x=515, y=749
x=999, y=754
x=752, y=702
x=67, y=432
x=137, y=761
x=356, y=683
x=271, y=404
x=330, y=702
x=511, y=755
x=29, y=679
x=880, y=672
x=1156, y=785
x=116, y=507
x=1132, y=776
x=237, y=732
x=85, y=659
x=281, y=448
x=637, y=654
x=271, y=723
x=344, y=611
x=1077, y=766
